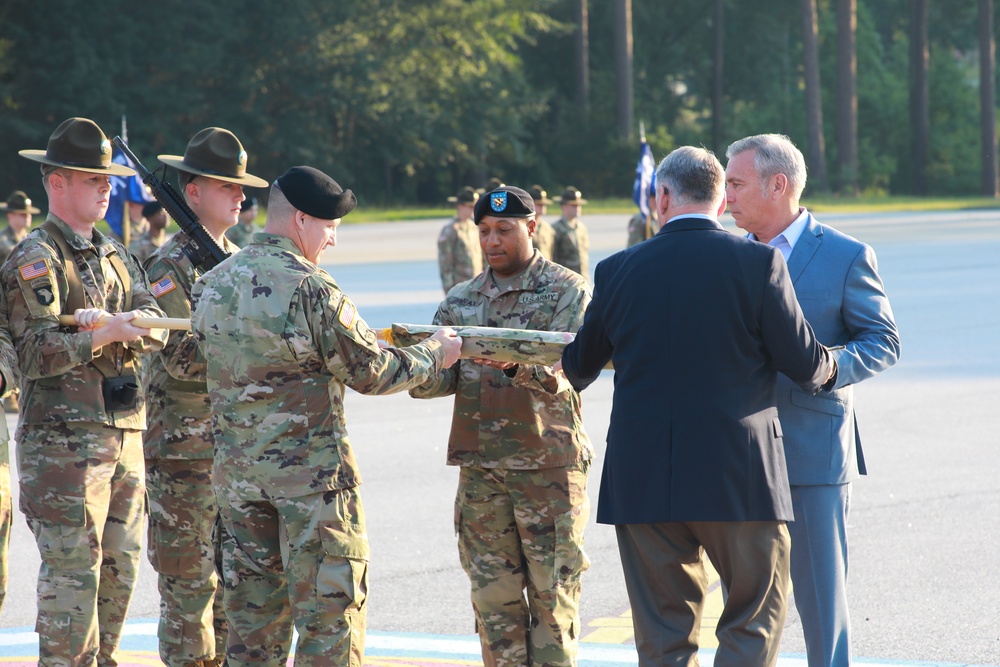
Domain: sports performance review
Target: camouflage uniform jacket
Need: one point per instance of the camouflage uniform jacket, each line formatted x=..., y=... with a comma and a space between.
x=8, y=371
x=58, y=381
x=240, y=233
x=9, y=239
x=545, y=238
x=143, y=246
x=282, y=343
x=180, y=413
x=531, y=420
x=460, y=256
x=572, y=246
x=639, y=231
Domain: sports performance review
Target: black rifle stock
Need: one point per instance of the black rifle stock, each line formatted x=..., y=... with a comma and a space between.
x=201, y=248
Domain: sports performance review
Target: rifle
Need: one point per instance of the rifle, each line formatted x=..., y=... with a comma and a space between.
x=201, y=248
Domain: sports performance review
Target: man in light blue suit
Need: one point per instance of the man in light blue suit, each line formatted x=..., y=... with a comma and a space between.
x=841, y=295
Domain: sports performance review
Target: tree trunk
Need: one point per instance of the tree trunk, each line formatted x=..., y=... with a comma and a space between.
x=816, y=149
x=987, y=99
x=847, y=97
x=581, y=60
x=623, y=66
x=920, y=93
x=717, y=82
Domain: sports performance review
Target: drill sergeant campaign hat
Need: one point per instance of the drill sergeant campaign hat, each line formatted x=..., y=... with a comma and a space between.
x=466, y=195
x=539, y=194
x=18, y=202
x=572, y=196
x=216, y=153
x=314, y=193
x=505, y=202
x=79, y=144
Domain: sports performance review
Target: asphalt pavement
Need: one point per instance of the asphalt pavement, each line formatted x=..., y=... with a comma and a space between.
x=925, y=523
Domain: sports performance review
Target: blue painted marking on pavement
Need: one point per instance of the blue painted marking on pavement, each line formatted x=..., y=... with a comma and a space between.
x=20, y=646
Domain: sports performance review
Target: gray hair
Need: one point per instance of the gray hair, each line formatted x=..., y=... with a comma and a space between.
x=691, y=175
x=775, y=154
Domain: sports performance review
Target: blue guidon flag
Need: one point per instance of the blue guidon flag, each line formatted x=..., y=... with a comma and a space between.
x=498, y=201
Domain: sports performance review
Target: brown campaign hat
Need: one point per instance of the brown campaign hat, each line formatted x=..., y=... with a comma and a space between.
x=539, y=194
x=466, y=195
x=572, y=196
x=18, y=202
x=79, y=144
x=216, y=153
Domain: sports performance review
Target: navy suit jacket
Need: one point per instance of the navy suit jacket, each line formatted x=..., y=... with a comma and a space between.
x=698, y=322
x=841, y=295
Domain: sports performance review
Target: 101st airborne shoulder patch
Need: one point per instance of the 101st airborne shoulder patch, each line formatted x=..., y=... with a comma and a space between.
x=35, y=278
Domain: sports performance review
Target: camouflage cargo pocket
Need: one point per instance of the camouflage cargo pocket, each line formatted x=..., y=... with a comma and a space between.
x=570, y=559
x=60, y=526
x=343, y=575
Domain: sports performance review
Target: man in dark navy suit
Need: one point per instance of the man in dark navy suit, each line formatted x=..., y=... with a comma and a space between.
x=698, y=323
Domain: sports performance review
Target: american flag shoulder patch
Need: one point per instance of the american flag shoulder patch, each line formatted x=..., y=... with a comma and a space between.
x=164, y=285
x=34, y=270
x=347, y=314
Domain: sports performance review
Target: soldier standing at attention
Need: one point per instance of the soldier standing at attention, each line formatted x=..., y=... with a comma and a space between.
x=572, y=245
x=145, y=244
x=643, y=227
x=179, y=442
x=545, y=236
x=517, y=433
x=282, y=343
x=241, y=232
x=79, y=446
x=8, y=364
x=19, y=211
x=459, y=256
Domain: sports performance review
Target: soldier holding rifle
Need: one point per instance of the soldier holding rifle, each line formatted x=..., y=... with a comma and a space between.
x=178, y=445
x=79, y=448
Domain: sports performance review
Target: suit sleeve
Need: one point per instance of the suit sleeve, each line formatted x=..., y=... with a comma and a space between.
x=788, y=338
x=873, y=345
x=585, y=358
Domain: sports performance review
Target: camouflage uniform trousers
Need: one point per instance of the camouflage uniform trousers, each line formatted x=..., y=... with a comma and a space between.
x=6, y=516
x=322, y=588
x=82, y=494
x=523, y=530
x=183, y=549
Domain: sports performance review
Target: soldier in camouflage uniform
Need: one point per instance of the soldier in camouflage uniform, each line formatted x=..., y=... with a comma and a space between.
x=241, y=232
x=8, y=366
x=644, y=227
x=282, y=343
x=178, y=444
x=146, y=243
x=79, y=443
x=459, y=256
x=518, y=435
x=19, y=211
x=545, y=235
x=572, y=245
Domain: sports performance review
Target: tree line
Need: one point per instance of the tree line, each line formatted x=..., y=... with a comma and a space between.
x=407, y=100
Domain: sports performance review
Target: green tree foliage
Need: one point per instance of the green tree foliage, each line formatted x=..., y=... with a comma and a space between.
x=406, y=100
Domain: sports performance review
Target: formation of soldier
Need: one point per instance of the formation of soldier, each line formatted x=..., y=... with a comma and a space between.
x=244, y=483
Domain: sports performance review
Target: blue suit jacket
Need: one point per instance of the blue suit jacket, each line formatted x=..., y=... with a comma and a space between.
x=838, y=287
x=698, y=322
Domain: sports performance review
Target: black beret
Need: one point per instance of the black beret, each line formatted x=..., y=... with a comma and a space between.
x=505, y=202
x=316, y=194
